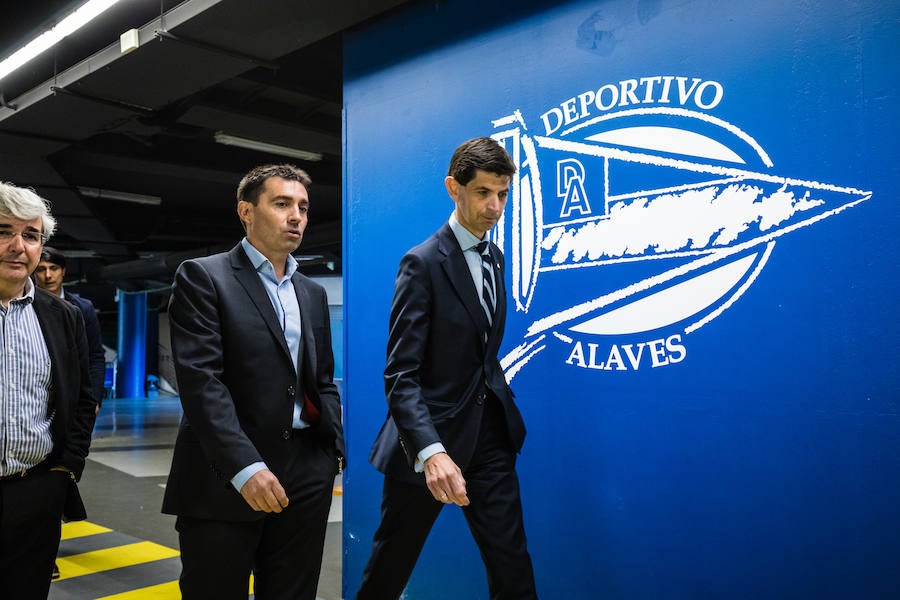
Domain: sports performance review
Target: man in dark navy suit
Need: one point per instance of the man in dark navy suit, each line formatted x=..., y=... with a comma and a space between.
x=453, y=430
x=261, y=439
x=49, y=276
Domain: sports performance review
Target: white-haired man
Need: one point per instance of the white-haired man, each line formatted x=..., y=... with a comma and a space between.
x=47, y=409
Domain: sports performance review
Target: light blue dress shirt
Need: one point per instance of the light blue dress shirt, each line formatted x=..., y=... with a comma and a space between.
x=287, y=310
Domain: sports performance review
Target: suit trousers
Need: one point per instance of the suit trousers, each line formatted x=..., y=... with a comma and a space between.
x=494, y=516
x=282, y=550
x=30, y=511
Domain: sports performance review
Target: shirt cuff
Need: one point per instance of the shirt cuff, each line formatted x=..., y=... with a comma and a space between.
x=244, y=475
x=426, y=453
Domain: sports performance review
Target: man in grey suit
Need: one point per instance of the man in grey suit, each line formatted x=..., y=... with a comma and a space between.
x=453, y=430
x=46, y=404
x=261, y=439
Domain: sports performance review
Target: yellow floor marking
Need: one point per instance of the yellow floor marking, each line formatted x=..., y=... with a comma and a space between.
x=77, y=565
x=77, y=529
x=163, y=591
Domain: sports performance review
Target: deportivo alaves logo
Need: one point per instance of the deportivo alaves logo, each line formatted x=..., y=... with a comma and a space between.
x=671, y=211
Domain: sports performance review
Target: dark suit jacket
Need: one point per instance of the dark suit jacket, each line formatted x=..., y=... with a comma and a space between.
x=438, y=361
x=96, y=354
x=238, y=384
x=70, y=395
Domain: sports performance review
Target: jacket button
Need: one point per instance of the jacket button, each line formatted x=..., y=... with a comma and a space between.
x=479, y=400
x=285, y=434
x=291, y=391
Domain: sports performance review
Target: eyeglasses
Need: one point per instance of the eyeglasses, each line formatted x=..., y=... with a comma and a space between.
x=29, y=238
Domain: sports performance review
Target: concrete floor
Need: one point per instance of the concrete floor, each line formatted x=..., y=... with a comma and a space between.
x=122, y=487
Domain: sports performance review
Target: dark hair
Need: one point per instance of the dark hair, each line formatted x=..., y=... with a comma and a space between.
x=252, y=184
x=482, y=153
x=52, y=255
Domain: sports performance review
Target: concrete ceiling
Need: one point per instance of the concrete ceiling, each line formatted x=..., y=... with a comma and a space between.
x=84, y=115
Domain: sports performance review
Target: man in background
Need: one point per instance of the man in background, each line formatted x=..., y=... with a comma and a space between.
x=49, y=275
x=47, y=410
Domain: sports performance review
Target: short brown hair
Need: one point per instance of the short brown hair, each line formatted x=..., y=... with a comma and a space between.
x=252, y=184
x=481, y=153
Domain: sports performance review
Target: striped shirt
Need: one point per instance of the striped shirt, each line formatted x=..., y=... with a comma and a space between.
x=468, y=242
x=24, y=387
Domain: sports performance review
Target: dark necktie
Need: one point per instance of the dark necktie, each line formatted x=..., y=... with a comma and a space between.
x=488, y=296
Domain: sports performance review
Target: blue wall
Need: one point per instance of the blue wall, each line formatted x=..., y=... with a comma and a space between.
x=703, y=247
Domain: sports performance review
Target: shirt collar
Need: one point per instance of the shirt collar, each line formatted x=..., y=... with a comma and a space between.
x=260, y=262
x=466, y=239
x=28, y=296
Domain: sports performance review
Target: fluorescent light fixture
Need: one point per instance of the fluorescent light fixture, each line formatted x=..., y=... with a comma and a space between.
x=71, y=23
x=240, y=142
x=79, y=253
x=315, y=259
x=121, y=196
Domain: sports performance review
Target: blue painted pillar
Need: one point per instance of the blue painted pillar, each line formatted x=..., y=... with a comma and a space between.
x=132, y=344
x=711, y=412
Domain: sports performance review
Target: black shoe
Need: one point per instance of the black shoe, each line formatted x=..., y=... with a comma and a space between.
x=55, y=573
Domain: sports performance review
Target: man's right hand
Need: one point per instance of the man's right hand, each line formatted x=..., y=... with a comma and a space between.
x=263, y=492
x=445, y=480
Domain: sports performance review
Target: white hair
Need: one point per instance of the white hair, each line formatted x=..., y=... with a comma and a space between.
x=25, y=204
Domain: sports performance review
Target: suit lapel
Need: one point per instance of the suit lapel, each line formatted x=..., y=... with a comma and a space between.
x=457, y=270
x=249, y=280
x=49, y=316
x=306, y=360
x=500, y=291
x=306, y=351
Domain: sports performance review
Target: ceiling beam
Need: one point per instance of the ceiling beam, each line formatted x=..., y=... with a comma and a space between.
x=263, y=129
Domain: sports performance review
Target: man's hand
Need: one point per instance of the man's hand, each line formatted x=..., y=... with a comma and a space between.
x=445, y=480
x=263, y=492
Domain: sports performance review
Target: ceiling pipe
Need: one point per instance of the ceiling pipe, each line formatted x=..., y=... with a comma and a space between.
x=166, y=35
